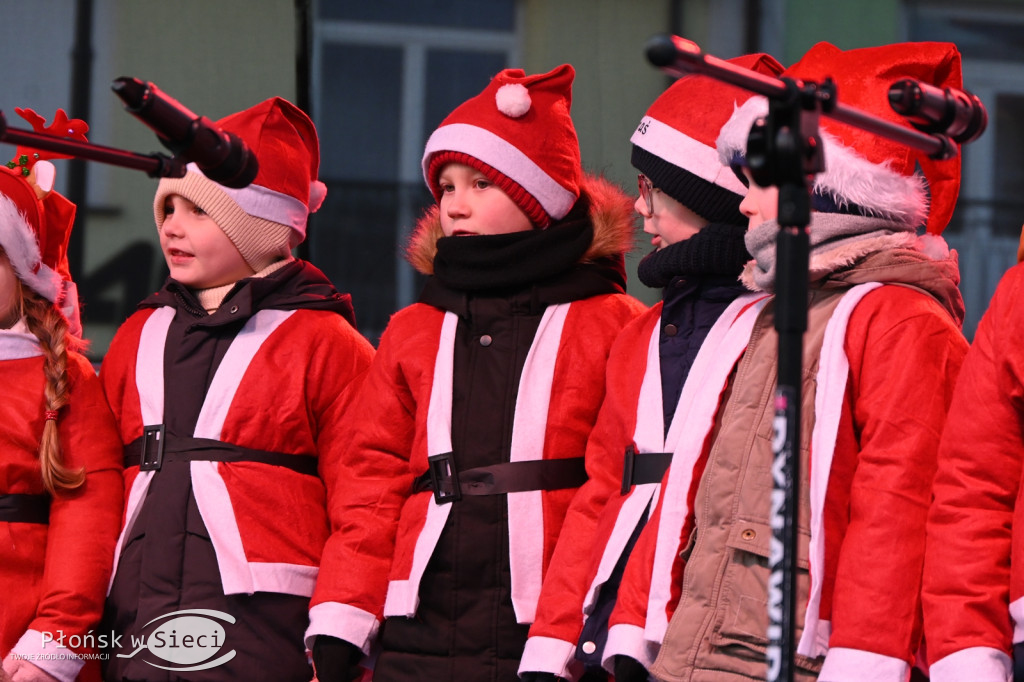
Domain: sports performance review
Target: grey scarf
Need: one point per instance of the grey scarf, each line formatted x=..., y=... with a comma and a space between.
x=828, y=232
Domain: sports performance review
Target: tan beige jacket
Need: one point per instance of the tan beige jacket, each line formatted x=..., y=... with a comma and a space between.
x=904, y=350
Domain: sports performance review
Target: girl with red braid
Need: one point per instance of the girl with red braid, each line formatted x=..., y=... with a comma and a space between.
x=60, y=456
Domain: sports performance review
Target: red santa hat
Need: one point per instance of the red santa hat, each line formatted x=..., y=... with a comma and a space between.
x=517, y=132
x=674, y=145
x=268, y=218
x=864, y=172
x=35, y=221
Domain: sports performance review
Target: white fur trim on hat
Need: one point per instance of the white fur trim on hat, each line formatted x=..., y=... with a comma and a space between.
x=19, y=242
x=848, y=176
x=732, y=138
x=261, y=202
x=513, y=99
x=503, y=157
x=683, y=151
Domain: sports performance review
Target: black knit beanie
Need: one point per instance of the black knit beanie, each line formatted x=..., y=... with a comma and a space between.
x=708, y=200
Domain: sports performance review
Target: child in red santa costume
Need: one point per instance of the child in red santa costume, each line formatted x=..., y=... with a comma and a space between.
x=60, y=457
x=690, y=202
x=492, y=382
x=228, y=385
x=974, y=563
x=880, y=357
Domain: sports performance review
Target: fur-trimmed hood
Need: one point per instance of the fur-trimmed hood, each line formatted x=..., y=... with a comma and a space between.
x=611, y=214
x=925, y=262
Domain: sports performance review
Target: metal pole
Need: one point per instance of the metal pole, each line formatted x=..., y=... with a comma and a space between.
x=81, y=90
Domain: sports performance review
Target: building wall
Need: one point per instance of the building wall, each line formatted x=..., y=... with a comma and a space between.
x=844, y=24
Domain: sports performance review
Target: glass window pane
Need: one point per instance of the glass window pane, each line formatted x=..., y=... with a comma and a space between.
x=975, y=37
x=360, y=111
x=1009, y=175
x=490, y=15
x=452, y=78
x=355, y=239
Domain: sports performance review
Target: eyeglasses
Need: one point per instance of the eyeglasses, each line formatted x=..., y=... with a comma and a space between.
x=646, y=192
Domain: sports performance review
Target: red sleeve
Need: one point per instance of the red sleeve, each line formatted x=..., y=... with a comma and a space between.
x=626, y=625
x=582, y=540
x=337, y=371
x=967, y=568
x=371, y=481
x=905, y=353
x=117, y=375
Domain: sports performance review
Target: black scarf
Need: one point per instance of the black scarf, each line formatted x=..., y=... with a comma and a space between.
x=717, y=249
x=503, y=262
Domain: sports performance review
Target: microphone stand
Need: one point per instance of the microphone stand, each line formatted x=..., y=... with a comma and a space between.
x=155, y=165
x=785, y=150
x=679, y=57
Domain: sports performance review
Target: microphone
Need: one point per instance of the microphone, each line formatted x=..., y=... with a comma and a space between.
x=670, y=52
x=931, y=109
x=222, y=156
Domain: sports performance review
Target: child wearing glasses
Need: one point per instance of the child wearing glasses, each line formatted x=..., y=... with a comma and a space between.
x=689, y=202
x=470, y=428
x=881, y=354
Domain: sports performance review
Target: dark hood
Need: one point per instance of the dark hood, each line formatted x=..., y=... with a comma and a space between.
x=299, y=285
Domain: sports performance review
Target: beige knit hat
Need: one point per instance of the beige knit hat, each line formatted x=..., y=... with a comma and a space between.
x=268, y=218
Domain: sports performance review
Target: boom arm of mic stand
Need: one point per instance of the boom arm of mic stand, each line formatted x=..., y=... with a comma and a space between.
x=678, y=57
x=154, y=165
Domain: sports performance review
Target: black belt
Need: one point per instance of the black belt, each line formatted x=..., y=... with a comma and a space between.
x=450, y=485
x=154, y=447
x=639, y=468
x=25, y=508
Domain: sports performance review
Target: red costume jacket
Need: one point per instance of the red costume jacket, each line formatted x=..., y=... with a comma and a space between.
x=279, y=388
x=385, y=534
x=53, y=577
x=974, y=568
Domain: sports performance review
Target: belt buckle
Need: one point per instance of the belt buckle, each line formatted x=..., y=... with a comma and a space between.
x=627, y=470
x=152, y=457
x=444, y=478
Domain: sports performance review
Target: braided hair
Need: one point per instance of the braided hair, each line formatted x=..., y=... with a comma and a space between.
x=49, y=325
